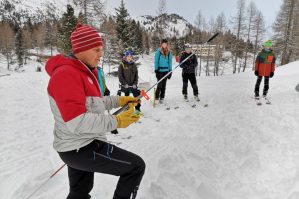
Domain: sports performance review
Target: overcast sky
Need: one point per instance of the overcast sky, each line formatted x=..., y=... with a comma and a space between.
x=189, y=8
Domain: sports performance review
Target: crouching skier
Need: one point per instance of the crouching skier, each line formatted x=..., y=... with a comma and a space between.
x=80, y=123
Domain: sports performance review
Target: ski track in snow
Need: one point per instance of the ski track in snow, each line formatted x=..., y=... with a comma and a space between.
x=230, y=150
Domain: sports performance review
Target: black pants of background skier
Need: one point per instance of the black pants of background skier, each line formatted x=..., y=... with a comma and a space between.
x=192, y=78
x=161, y=88
x=102, y=157
x=257, y=86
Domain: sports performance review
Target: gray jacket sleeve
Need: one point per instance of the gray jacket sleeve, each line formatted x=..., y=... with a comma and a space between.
x=95, y=121
x=110, y=102
x=92, y=123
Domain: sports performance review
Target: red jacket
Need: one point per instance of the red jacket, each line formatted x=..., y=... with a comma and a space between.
x=77, y=104
x=265, y=63
x=78, y=82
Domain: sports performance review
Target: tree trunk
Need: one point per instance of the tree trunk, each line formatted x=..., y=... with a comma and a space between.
x=208, y=62
x=286, y=55
x=7, y=59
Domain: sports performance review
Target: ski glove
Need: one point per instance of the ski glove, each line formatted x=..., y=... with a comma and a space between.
x=126, y=118
x=123, y=100
x=134, y=86
x=271, y=74
x=256, y=73
x=169, y=76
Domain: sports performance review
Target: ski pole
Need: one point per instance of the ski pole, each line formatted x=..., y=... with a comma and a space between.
x=36, y=190
x=140, y=96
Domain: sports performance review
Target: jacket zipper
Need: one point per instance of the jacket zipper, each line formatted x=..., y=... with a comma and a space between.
x=94, y=78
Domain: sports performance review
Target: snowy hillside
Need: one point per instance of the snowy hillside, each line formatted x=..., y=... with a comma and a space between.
x=232, y=149
x=175, y=25
x=35, y=8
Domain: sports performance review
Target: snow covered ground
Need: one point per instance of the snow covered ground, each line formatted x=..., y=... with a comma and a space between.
x=232, y=149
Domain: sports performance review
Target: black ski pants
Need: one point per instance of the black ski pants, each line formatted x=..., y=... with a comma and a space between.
x=257, y=85
x=192, y=78
x=161, y=88
x=102, y=157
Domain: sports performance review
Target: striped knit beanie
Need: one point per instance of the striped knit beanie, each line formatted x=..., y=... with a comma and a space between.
x=84, y=38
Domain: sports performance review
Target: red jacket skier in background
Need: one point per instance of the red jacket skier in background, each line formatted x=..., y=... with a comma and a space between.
x=264, y=67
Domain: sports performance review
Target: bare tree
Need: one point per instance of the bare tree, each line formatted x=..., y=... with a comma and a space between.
x=50, y=27
x=198, y=21
x=208, y=61
x=251, y=14
x=220, y=27
x=38, y=37
x=221, y=23
x=203, y=24
x=285, y=30
x=239, y=26
x=161, y=11
x=296, y=31
x=212, y=25
x=146, y=43
x=7, y=41
x=259, y=31
x=28, y=44
x=93, y=11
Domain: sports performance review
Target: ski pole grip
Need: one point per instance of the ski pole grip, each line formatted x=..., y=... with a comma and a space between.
x=213, y=37
x=121, y=109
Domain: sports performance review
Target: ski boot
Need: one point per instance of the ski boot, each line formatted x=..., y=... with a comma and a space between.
x=186, y=98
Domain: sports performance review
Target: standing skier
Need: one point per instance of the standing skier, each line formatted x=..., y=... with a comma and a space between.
x=78, y=106
x=163, y=64
x=188, y=72
x=128, y=76
x=264, y=67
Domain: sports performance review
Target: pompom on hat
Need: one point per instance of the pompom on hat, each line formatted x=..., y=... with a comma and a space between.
x=84, y=38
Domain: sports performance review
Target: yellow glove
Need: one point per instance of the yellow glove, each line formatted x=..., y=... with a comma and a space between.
x=126, y=118
x=123, y=100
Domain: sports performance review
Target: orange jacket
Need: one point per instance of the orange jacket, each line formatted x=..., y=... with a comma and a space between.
x=265, y=63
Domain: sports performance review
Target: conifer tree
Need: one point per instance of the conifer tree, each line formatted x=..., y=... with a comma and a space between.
x=68, y=24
